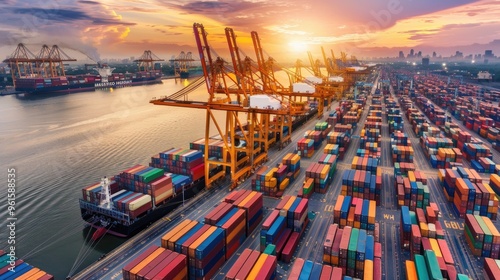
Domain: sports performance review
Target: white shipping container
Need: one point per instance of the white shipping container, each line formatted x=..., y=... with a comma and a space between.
x=338, y=79
x=303, y=88
x=314, y=80
x=262, y=101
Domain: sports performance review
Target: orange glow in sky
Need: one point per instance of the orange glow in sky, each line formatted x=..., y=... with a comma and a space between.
x=288, y=29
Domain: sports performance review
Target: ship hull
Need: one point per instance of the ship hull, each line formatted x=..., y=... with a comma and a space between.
x=121, y=230
x=90, y=86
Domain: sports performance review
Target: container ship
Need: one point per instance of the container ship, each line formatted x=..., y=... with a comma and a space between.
x=125, y=204
x=87, y=82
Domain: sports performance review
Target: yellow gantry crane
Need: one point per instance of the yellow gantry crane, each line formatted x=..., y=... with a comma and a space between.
x=245, y=133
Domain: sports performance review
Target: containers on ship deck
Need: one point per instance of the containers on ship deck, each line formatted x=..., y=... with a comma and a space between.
x=22, y=270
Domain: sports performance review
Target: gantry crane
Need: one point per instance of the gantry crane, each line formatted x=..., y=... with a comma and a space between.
x=182, y=63
x=47, y=64
x=146, y=61
x=21, y=63
x=238, y=159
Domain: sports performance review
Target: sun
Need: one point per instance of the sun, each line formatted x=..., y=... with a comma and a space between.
x=297, y=47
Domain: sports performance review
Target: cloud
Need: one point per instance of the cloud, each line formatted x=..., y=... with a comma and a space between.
x=89, y=2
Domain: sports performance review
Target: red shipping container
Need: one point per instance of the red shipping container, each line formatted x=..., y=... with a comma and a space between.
x=233, y=271
x=161, y=265
x=247, y=267
x=290, y=247
x=296, y=269
x=268, y=268
x=126, y=269
x=326, y=272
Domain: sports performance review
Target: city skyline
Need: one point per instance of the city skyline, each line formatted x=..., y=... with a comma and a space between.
x=288, y=29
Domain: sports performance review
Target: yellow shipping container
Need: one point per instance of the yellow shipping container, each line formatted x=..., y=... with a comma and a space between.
x=354, y=162
x=372, y=212
x=411, y=176
x=424, y=229
x=368, y=271
x=411, y=271
x=284, y=184
x=324, y=171
x=172, y=232
x=435, y=247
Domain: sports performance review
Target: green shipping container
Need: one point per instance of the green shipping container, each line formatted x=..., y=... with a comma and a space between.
x=270, y=250
x=432, y=265
x=353, y=244
x=152, y=175
x=462, y=277
x=421, y=267
x=413, y=218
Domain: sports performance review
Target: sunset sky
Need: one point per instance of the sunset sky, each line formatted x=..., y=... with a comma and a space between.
x=287, y=28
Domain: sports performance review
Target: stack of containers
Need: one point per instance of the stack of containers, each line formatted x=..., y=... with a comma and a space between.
x=354, y=251
x=316, y=136
x=332, y=149
x=253, y=265
x=346, y=128
x=355, y=212
x=324, y=128
x=483, y=165
x=303, y=269
x=362, y=184
x=341, y=139
x=402, y=150
x=157, y=263
x=431, y=146
x=365, y=163
x=482, y=236
x=215, y=146
x=402, y=168
x=233, y=221
x=93, y=192
x=474, y=198
x=495, y=183
x=475, y=151
x=321, y=174
x=273, y=181
x=250, y=201
x=412, y=190
x=208, y=245
x=491, y=269
x=22, y=270
x=293, y=163
x=181, y=161
x=305, y=147
x=148, y=180
x=284, y=226
x=394, y=118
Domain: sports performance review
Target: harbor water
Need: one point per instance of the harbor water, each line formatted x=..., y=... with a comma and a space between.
x=58, y=144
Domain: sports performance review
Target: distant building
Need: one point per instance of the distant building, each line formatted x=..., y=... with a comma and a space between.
x=488, y=54
x=425, y=61
x=401, y=54
x=419, y=54
x=411, y=54
x=434, y=54
x=459, y=54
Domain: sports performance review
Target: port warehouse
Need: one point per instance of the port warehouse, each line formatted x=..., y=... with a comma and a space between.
x=398, y=154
